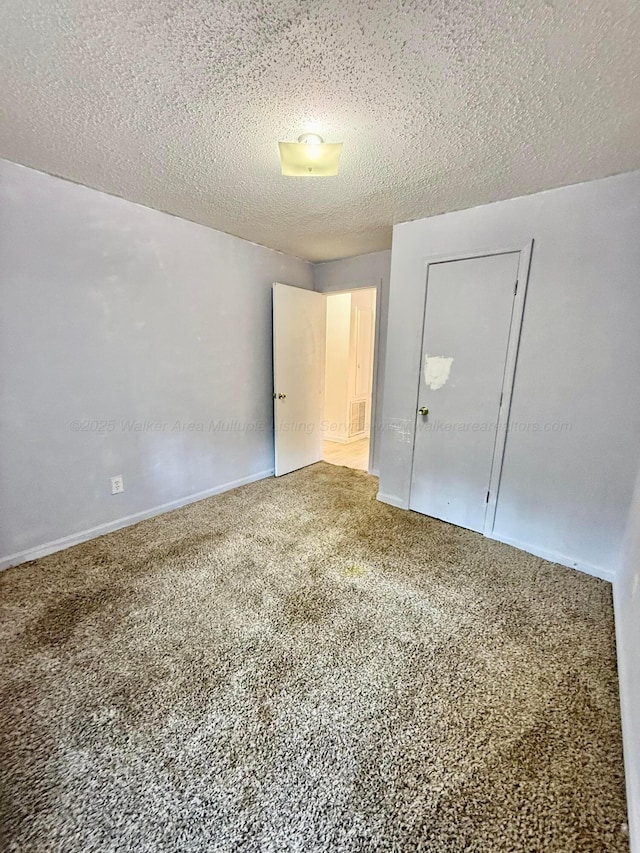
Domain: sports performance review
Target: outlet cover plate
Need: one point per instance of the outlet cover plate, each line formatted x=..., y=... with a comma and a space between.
x=117, y=485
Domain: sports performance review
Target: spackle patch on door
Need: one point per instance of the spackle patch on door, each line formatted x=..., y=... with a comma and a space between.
x=436, y=370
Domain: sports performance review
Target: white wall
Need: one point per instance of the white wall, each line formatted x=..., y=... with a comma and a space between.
x=565, y=495
x=336, y=374
x=112, y=315
x=370, y=270
x=627, y=607
x=361, y=352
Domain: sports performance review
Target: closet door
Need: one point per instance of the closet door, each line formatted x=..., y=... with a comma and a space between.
x=467, y=323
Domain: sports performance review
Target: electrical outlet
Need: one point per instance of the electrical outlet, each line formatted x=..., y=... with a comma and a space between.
x=117, y=485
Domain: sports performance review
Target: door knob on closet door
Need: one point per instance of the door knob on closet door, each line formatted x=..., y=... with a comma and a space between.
x=282, y=396
x=423, y=410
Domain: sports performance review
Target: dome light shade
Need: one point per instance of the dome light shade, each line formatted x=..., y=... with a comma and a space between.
x=310, y=157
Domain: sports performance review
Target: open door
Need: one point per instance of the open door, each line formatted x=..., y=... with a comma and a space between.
x=298, y=364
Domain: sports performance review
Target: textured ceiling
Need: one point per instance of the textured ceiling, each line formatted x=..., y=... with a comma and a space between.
x=179, y=105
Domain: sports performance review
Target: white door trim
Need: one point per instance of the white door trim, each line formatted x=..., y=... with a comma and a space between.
x=515, y=329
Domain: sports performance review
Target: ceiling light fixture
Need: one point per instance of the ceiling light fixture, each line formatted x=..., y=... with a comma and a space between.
x=310, y=156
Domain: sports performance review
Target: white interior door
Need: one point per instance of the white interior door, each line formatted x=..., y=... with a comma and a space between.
x=467, y=323
x=298, y=363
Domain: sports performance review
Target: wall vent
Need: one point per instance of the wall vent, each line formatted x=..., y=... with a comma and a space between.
x=358, y=417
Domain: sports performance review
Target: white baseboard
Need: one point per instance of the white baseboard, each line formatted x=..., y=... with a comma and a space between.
x=555, y=557
x=551, y=556
x=93, y=532
x=351, y=440
x=392, y=500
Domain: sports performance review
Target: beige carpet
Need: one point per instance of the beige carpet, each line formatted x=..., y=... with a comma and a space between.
x=293, y=666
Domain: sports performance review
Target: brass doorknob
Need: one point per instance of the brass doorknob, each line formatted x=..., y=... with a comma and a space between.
x=282, y=396
x=423, y=410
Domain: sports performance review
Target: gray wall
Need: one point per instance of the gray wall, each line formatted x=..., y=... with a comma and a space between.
x=115, y=313
x=564, y=495
x=627, y=606
x=371, y=270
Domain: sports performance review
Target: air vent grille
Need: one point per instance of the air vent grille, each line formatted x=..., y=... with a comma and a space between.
x=357, y=420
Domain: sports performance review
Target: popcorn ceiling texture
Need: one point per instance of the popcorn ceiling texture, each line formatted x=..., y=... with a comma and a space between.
x=179, y=105
x=294, y=667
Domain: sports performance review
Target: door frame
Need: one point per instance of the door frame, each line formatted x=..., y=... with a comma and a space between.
x=513, y=343
x=377, y=286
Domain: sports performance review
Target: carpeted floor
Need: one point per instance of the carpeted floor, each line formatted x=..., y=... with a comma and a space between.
x=293, y=666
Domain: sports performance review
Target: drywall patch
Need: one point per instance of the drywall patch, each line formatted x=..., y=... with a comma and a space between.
x=436, y=370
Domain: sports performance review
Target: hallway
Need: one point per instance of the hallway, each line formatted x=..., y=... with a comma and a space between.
x=352, y=455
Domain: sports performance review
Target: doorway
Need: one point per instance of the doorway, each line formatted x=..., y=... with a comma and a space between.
x=350, y=325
